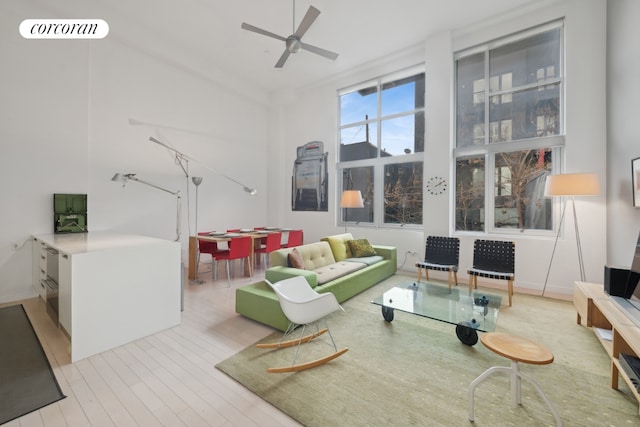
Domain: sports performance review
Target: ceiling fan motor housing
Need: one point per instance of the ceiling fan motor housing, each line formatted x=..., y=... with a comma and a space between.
x=293, y=44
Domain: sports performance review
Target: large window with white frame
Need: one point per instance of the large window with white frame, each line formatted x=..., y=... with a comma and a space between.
x=381, y=144
x=509, y=131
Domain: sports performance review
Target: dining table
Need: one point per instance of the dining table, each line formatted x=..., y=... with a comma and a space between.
x=256, y=236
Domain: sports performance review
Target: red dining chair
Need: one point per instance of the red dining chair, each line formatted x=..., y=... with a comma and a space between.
x=294, y=239
x=272, y=243
x=239, y=248
x=206, y=247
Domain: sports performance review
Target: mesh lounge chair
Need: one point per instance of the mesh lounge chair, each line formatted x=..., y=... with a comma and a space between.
x=441, y=254
x=494, y=259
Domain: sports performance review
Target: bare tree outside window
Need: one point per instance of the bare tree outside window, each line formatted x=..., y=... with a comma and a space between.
x=519, y=190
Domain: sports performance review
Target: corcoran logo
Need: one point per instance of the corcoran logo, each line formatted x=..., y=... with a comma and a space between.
x=64, y=29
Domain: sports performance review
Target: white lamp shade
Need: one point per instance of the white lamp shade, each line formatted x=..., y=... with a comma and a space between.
x=572, y=184
x=351, y=199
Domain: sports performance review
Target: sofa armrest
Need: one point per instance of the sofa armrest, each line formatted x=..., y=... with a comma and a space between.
x=278, y=273
x=387, y=252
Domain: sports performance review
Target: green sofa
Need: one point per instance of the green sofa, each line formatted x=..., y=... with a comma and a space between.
x=322, y=260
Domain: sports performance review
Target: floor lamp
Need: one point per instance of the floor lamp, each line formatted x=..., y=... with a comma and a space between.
x=197, y=180
x=570, y=184
x=350, y=199
x=124, y=178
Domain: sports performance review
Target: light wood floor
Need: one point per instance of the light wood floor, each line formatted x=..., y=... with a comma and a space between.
x=165, y=379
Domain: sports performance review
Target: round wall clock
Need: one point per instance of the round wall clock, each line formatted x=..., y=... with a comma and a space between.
x=436, y=185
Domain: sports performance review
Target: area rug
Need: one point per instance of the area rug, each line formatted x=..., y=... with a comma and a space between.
x=414, y=371
x=27, y=382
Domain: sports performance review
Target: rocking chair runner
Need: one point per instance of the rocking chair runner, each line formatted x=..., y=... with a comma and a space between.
x=303, y=306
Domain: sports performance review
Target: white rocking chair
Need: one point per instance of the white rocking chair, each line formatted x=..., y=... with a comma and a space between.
x=303, y=306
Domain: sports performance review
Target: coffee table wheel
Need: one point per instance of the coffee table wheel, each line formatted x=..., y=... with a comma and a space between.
x=466, y=334
x=387, y=313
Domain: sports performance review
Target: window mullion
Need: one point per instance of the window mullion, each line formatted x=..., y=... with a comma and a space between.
x=490, y=192
x=487, y=105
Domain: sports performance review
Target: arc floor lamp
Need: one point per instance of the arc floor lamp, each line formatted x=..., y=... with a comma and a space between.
x=126, y=177
x=570, y=185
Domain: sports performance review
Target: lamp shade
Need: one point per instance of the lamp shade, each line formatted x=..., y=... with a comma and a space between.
x=351, y=199
x=572, y=184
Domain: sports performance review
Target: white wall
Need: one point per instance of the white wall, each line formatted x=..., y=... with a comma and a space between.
x=312, y=114
x=64, y=128
x=623, y=139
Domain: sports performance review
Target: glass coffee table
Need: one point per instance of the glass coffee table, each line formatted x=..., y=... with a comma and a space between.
x=470, y=312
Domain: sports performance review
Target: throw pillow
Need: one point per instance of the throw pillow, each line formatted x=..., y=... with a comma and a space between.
x=339, y=246
x=295, y=259
x=361, y=248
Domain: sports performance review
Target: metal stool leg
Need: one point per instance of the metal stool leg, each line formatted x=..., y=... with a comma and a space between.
x=486, y=374
x=516, y=395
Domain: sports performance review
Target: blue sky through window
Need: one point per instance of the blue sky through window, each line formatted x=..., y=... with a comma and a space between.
x=397, y=134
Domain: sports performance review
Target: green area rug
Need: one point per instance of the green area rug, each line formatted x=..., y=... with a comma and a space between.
x=27, y=382
x=414, y=371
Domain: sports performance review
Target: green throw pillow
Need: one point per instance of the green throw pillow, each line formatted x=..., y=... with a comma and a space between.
x=361, y=248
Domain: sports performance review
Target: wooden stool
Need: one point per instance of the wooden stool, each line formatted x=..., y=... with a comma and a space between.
x=517, y=350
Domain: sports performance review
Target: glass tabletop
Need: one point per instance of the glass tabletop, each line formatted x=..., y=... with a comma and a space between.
x=477, y=310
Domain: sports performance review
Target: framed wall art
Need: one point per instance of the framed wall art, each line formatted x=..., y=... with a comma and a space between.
x=635, y=181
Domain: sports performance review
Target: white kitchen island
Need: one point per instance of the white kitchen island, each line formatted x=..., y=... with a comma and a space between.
x=113, y=288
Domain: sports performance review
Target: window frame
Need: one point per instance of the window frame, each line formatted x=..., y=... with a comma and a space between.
x=489, y=150
x=379, y=163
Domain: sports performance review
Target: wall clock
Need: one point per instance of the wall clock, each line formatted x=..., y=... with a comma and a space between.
x=436, y=185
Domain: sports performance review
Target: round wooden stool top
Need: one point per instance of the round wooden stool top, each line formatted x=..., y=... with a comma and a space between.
x=516, y=348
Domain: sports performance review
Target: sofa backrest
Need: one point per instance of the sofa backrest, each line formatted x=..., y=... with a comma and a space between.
x=339, y=246
x=314, y=255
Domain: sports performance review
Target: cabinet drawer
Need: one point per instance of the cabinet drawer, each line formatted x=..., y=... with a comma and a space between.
x=42, y=289
x=42, y=260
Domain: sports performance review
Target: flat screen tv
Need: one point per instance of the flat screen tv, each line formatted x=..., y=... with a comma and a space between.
x=633, y=280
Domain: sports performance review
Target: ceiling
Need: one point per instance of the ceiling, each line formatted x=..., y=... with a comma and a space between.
x=205, y=35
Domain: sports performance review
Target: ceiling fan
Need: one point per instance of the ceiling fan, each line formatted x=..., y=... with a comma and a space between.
x=294, y=42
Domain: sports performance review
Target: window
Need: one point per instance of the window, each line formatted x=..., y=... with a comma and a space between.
x=509, y=133
x=381, y=145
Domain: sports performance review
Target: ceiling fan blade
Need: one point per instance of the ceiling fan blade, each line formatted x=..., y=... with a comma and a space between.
x=249, y=27
x=319, y=51
x=283, y=59
x=308, y=19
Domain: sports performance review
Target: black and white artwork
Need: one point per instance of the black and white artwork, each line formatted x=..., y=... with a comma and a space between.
x=309, y=183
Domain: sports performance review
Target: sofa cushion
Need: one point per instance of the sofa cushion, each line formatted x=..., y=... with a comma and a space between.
x=361, y=248
x=295, y=259
x=334, y=271
x=369, y=260
x=279, y=272
x=339, y=246
x=314, y=255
